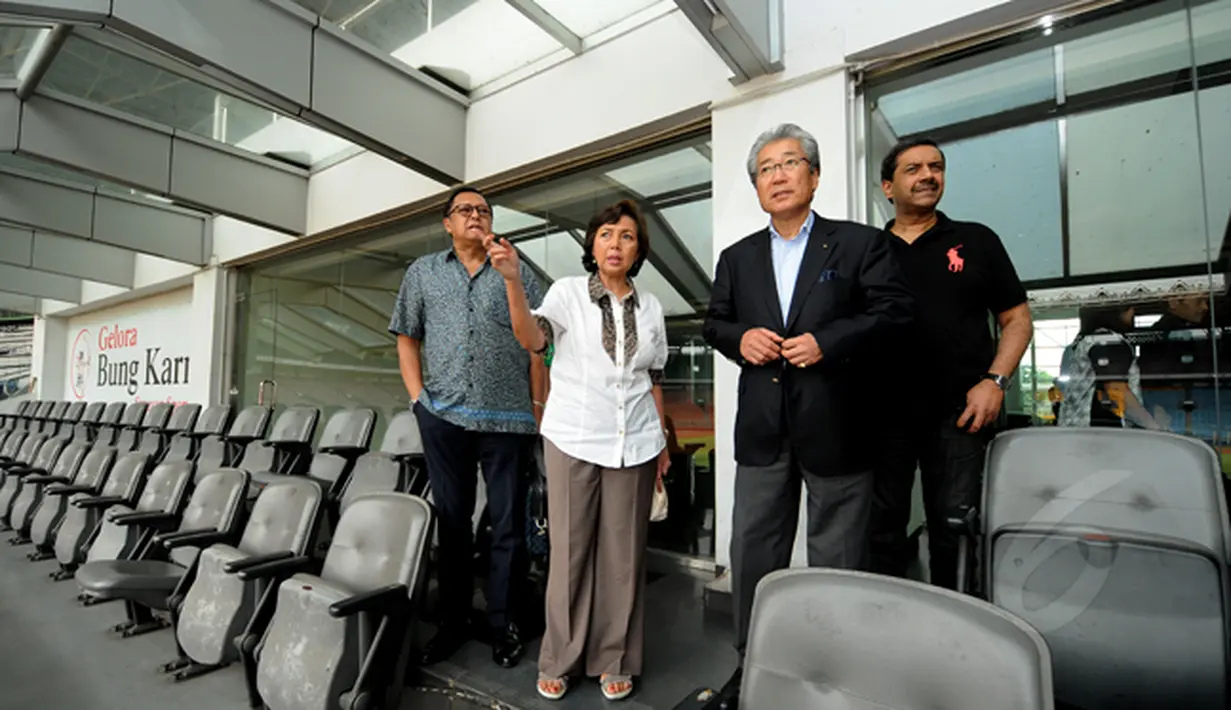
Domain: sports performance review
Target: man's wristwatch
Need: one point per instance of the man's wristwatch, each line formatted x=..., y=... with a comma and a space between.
x=1001, y=381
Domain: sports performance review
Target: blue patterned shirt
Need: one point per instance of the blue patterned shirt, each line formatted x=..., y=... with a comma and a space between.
x=475, y=374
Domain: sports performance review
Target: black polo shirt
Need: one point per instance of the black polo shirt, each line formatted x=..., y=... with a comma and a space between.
x=961, y=276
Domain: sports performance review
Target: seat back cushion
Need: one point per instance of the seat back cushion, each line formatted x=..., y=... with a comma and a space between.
x=308, y=658
x=828, y=639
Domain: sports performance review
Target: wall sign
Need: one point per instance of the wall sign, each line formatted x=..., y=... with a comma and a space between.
x=139, y=352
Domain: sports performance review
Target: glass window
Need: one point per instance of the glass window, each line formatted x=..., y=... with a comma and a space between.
x=1007, y=180
x=586, y=18
x=16, y=42
x=983, y=91
x=1158, y=46
x=315, y=322
x=106, y=76
x=1116, y=208
x=1132, y=177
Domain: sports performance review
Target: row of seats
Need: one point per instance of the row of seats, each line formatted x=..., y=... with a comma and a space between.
x=303, y=563
x=1103, y=558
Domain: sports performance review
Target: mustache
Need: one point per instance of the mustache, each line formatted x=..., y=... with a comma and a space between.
x=926, y=184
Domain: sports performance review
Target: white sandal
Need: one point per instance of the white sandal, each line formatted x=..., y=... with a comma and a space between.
x=562, y=681
x=607, y=680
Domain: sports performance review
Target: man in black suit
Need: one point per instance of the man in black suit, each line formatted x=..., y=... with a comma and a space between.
x=796, y=305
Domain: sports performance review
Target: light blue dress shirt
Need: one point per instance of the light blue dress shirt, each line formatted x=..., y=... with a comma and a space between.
x=788, y=256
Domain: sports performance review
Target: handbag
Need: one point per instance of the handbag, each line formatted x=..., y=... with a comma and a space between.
x=537, y=543
x=658, y=505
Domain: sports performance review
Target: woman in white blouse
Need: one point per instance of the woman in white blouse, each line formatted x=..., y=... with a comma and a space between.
x=605, y=446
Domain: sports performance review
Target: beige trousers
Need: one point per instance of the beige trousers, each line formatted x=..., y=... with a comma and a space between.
x=598, y=521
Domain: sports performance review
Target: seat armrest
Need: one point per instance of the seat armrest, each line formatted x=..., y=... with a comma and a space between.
x=278, y=568
x=963, y=520
x=66, y=490
x=161, y=538
x=145, y=518
x=22, y=471
x=47, y=479
x=378, y=600
x=99, y=502
x=256, y=560
x=194, y=538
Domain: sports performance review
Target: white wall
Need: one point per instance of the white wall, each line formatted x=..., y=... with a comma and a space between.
x=170, y=350
x=361, y=186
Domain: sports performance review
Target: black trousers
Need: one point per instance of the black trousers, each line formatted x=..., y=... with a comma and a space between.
x=950, y=462
x=453, y=458
x=766, y=514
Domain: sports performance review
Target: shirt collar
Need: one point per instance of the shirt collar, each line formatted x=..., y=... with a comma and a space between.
x=804, y=231
x=598, y=290
x=942, y=223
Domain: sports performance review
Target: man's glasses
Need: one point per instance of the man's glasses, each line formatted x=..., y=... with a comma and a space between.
x=790, y=165
x=466, y=211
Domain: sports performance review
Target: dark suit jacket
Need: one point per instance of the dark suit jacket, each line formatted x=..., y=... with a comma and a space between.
x=848, y=294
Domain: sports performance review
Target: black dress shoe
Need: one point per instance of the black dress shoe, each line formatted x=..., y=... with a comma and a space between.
x=443, y=645
x=507, y=646
x=728, y=697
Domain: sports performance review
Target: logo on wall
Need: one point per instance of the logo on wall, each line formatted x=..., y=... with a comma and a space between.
x=80, y=366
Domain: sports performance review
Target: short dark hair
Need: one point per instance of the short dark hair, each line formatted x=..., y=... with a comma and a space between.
x=462, y=191
x=889, y=165
x=611, y=215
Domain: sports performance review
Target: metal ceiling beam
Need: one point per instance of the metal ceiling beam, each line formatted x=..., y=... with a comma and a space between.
x=322, y=75
x=18, y=303
x=746, y=34
x=40, y=284
x=57, y=207
x=39, y=60
x=548, y=23
x=68, y=256
x=184, y=168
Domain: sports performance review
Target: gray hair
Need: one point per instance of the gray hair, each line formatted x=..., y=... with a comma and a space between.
x=781, y=132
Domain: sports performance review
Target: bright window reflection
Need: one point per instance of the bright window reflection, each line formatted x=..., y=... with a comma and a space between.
x=983, y=91
x=16, y=42
x=113, y=79
x=586, y=18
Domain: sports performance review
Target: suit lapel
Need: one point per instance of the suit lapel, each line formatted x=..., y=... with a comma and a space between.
x=820, y=250
x=767, y=276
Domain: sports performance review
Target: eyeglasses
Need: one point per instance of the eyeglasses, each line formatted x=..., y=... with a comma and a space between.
x=790, y=165
x=467, y=210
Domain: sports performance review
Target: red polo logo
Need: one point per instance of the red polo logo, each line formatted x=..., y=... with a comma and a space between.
x=956, y=263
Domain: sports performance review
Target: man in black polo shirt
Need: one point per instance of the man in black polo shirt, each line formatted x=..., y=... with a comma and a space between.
x=940, y=421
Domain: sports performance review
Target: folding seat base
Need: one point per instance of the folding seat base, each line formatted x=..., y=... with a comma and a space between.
x=40, y=554
x=140, y=621
x=184, y=669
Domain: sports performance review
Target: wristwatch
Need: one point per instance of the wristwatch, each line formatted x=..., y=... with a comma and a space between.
x=1001, y=381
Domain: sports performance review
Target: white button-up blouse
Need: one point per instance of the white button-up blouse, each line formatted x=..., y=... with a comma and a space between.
x=609, y=353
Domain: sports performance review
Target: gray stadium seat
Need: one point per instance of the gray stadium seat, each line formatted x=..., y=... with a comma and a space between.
x=347, y=436
x=89, y=533
x=86, y=426
x=152, y=433
x=218, y=452
x=109, y=423
x=144, y=583
x=185, y=444
x=91, y=477
x=286, y=450
x=216, y=604
x=69, y=418
x=47, y=451
x=30, y=498
x=827, y=639
x=1114, y=544
x=128, y=431
x=340, y=639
